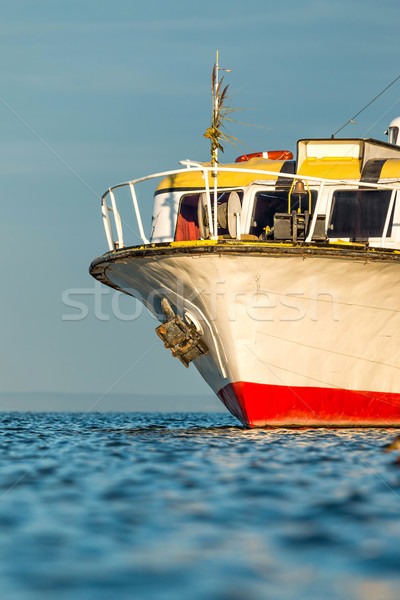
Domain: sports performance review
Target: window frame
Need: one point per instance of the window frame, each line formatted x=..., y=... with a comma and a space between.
x=259, y=188
x=376, y=240
x=194, y=192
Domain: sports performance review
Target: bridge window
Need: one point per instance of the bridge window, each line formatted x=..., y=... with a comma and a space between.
x=359, y=214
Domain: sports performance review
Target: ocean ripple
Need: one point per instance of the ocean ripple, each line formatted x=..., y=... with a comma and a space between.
x=168, y=506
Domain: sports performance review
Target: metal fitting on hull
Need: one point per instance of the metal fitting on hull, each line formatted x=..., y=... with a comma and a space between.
x=180, y=337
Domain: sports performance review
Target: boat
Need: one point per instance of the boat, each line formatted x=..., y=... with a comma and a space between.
x=277, y=276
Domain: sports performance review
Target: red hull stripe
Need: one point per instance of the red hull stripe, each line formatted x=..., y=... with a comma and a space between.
x=258, y=405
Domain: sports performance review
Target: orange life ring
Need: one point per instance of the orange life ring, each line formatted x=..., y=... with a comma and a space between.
x=270, y=155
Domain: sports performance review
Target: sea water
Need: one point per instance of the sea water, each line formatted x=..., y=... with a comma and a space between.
x=194, y=506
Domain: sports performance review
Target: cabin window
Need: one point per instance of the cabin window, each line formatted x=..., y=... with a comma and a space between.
x=359, y=214
x=267, y=203
x=187, y=226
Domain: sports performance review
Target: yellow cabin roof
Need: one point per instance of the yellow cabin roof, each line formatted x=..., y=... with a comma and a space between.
x=194, y=179
x=348, y=159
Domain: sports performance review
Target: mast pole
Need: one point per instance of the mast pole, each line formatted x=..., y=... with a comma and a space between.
x=215, y=153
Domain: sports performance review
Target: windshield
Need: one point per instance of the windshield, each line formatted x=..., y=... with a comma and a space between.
x=359, y=214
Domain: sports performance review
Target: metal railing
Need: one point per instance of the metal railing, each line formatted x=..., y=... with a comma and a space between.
x=206, y=170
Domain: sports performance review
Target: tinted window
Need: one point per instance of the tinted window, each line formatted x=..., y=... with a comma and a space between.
x=267, y=203
x=359, y=214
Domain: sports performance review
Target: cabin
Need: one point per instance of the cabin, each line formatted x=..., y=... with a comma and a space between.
x=349, y=186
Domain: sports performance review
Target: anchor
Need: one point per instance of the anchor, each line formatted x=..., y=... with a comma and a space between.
x=180, y=337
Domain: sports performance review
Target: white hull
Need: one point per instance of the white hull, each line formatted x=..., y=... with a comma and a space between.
x=284, y=321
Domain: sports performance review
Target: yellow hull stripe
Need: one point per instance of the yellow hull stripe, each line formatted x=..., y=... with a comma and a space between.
x=332, y=168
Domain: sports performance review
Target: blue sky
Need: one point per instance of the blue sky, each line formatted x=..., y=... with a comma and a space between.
x=95, y=92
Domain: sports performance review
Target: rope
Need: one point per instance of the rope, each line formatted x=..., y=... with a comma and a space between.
x=366, y=106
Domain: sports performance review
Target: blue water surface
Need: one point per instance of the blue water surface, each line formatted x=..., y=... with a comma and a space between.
x=169, y=506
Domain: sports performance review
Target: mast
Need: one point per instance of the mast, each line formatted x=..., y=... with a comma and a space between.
x=214, y=154
x=219, y=114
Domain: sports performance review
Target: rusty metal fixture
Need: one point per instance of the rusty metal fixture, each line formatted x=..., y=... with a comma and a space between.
x=180, y=337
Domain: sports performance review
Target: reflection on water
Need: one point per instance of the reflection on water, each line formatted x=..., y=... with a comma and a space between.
x=193, y=506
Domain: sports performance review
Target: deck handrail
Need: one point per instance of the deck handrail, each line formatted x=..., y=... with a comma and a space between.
x=206, y=169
